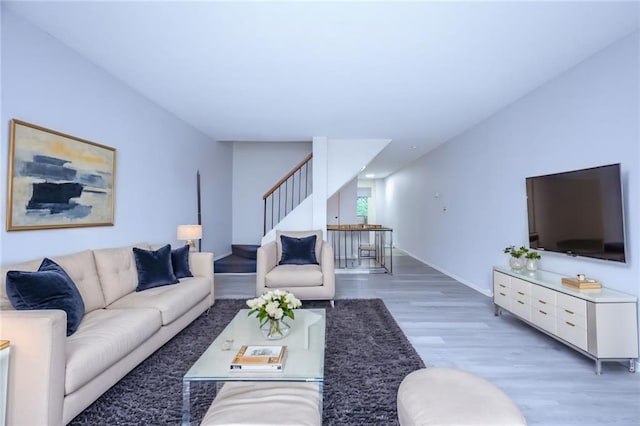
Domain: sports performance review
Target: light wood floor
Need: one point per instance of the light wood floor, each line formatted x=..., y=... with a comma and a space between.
x=452, y=325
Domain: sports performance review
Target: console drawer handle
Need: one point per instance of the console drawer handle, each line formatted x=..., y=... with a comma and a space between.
x=503, y=294
x=521, y=302
x=572, y=325
x=543, y=312
x=521, y=293
x=542, y=301
x=568, y=311
x=502, y=285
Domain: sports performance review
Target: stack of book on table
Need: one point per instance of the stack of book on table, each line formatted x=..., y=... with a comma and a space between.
x=253, y=358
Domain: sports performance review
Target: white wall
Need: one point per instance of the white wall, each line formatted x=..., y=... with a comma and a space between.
x=257, y=166
x=341, y=206
x=46, y=83
x=458, y=206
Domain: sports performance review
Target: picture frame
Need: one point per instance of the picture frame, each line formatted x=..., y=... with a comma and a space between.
x=58, y=180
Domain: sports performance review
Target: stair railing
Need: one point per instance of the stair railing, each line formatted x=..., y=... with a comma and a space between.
x=285, y=195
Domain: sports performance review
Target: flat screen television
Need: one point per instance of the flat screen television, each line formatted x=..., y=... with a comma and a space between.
x=579, y=213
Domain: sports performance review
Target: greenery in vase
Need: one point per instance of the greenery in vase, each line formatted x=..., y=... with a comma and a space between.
x=517, y=253
x=533, y=255
x=273, y=305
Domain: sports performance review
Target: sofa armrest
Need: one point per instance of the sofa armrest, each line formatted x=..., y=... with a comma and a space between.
x=35, y=390
x=201, y=265
x=266, y=260
x=327, y=264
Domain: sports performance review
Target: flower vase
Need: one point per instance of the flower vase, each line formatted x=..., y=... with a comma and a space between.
x=273, y=329
x=532, y=264
x=516, y=263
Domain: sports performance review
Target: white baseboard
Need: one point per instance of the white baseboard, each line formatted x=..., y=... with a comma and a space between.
x=469, y=284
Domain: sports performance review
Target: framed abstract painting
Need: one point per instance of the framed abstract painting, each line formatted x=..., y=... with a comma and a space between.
x=57, y=180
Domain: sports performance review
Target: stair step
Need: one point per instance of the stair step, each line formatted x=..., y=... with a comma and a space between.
x=234, y=264
x=248, y=251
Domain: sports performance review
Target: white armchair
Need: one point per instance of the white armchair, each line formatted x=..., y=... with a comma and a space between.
x=305, y=281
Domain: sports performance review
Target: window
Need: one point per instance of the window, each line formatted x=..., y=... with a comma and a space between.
x=362, y=206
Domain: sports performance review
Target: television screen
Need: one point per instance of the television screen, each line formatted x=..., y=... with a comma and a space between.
x=579, y=213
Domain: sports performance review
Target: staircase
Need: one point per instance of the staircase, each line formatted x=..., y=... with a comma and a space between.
x=242, y=260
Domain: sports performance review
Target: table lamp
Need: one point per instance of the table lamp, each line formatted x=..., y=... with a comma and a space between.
x=189, y=233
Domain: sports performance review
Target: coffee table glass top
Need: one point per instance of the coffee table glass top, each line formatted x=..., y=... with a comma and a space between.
x=305, y=346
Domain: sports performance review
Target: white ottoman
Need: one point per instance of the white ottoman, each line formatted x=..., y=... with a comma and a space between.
x=446, y=396
x=265, y=404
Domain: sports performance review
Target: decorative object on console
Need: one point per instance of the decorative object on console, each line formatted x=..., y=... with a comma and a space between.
x=270, y=309
x=189, y=233
x=515, y=260
x=57, y=180
x=582, y=284
x=532, y=260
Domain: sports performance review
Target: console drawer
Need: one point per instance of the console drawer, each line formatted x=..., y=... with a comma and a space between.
x=572, y=333
x=520, y=287
x=571, y=304
x=544, y=318
x=501, y=298
x=522, y=308
x=543, y=298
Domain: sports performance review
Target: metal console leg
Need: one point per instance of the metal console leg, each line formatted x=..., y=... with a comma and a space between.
x=632, y=365
x=598, y=367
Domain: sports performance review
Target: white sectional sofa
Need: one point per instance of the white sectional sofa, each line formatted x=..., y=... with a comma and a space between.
x=52, y=377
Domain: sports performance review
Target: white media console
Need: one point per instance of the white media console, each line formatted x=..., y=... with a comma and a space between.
x=601, y=324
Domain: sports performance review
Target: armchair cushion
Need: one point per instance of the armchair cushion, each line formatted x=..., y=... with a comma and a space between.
x=294, y=276
x=298, y=251
x=298, y=234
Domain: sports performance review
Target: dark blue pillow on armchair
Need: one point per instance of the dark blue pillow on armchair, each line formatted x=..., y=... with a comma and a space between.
x=298, y=251
x=154, y=267
x=48, y=288
x=180, y=262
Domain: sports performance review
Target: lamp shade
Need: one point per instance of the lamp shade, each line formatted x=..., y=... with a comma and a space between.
x=189, y=232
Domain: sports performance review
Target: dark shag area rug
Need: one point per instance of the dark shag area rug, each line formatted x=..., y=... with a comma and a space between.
x=366, y=358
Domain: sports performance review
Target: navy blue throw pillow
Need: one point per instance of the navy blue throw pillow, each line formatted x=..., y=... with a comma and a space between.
x=180, y=262
x=298, y=251
x=48, y=288
x=154, y=267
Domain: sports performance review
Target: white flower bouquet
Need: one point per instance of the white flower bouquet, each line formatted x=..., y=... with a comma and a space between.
x=272, y=307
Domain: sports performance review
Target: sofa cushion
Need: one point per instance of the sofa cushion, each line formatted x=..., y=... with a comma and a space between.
x=154, y=267
x=294, y=276
x=298, y=251
x=47, y=288
x=117, y=271
x=180, y=262
x=104, y=337
x=299, y=234
x=81, y=267
x=33, y=265
x=172, y=301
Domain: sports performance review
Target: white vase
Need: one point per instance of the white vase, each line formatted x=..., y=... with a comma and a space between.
x=516, y=263
x=532, y=264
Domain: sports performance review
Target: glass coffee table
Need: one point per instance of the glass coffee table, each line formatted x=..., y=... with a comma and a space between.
x=304, y=363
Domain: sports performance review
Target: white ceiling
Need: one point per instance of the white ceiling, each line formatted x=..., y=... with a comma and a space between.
x=418, y=73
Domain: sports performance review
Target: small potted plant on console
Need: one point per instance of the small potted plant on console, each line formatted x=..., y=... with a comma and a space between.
x=516, y=260
x=532, y=260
